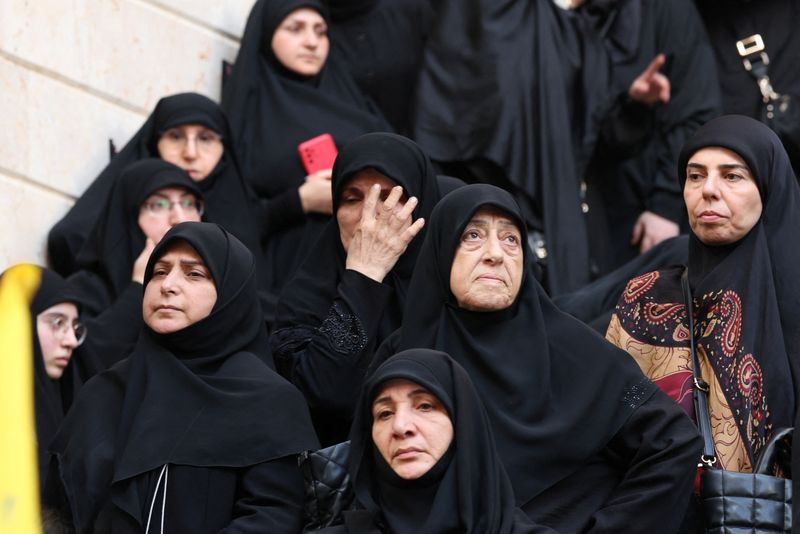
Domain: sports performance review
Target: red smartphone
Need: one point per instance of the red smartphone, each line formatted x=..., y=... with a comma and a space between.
x=318, y=153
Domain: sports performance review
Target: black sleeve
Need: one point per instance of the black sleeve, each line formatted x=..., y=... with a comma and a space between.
x=624, y=129
x=327, y=361
x=279, y=212
x=661, y=447
x=270, y=498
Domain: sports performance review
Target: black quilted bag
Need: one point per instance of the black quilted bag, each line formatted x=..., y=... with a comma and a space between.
x=327, y=485
x=740, y=503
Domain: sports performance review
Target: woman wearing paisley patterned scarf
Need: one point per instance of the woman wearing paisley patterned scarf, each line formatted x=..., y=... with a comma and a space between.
x=743, y=203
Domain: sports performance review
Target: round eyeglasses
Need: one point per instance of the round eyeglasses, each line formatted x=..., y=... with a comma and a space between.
x=175, y=140
x=59, y=324
x=160, y=207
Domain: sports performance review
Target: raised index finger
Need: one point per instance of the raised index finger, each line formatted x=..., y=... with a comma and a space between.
x=653, y=67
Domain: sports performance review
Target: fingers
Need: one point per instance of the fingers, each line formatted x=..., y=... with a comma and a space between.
x=664, y=87
x=638, y=231
x=324, y=174
x=393, y=198
x=652, y=68
x=370, y=203
x=412, y=231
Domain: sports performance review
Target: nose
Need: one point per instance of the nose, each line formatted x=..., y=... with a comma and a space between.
x=69, y=340
x=711, y=185
x=177, y=214
x=402, y=423
x=493, y=252
x=190, y=148
x=168, y=282
x=311, y=38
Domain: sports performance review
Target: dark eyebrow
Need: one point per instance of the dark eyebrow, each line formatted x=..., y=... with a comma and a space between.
x=479, y=222
x=695, y=165
x=193, y=262
x=730, y=166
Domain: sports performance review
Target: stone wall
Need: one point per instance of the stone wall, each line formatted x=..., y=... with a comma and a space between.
x=76, y=73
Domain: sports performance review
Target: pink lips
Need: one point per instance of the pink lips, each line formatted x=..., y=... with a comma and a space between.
x=408, y=452
x=167, y=307
x=710, y=216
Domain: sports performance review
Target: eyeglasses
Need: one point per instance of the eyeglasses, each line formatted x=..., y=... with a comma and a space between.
x=60, y=326
x=176, y=140
x=160, y=207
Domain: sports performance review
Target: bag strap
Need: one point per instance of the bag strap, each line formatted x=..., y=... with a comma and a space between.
x=701, y=388
x=755, y=60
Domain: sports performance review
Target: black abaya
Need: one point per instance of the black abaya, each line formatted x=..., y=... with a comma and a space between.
x=557, y=394
x=212, y=377
x=330, y=320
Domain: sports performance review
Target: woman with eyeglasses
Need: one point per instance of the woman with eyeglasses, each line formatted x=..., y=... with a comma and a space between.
x=58, y=373
x=151, y=197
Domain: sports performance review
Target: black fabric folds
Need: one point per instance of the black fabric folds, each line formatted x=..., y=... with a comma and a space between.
x=467, y=490
x=201, y=396
x=107, y=257
x=555, y=391
x=229, y=201
x=520, y=84
x=761, y=271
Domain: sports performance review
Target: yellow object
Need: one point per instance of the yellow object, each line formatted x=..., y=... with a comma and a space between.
x=19, y=481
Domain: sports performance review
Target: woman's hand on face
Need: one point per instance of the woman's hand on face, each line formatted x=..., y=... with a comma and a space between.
x=383, y=234
x=315, y=193
x=141, y=262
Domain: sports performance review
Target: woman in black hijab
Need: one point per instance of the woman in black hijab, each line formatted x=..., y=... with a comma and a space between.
x=175, y=437
x=58, y=370
x=275, y=104
x=744, y=209
x=444, y=481
x=337, y=310
x=580, y=430
x=206, y=153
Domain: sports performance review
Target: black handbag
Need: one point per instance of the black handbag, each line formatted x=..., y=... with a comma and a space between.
x=780, y=112
x=740, y=503
x=327, y=485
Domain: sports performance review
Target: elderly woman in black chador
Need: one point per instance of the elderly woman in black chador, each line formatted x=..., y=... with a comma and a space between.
x=579, y=429
x=286, y=89
x=423, y=457
x=348, y=297
x=743, y=203
x=176, y=437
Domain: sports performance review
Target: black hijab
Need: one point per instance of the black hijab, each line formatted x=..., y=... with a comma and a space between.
x=229, y=200
x=272, y=109
x=309, y=295
x=467, y=490
x=210, y=374
x=555, y=391
x=51, y=397
x=749, y=289
x=107, y=257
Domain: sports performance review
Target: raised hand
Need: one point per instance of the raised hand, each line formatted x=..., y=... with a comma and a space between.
x=651, y=86
x=315, y=193
x=140, y=263
x=383, y=233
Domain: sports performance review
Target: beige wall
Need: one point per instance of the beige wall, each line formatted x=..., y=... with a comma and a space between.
x=74, y=73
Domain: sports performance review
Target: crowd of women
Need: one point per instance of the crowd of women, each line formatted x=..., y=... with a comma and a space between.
x=217, y=312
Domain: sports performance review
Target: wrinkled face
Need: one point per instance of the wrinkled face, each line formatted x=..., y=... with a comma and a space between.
x=193, y=147
x=301, y=42
x=55, y=328
x=410, y=428
x=180, y=292
x=487, y=268
x=721, y=196
x=165, y=208
x=351, y=200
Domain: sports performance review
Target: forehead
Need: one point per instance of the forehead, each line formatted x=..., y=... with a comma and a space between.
x=717, y=155
x=170, y=192
x=397, y=389
x=305, y=14
x=178, y=251
x=489, y=214
x=68, y=309
x=366, y=178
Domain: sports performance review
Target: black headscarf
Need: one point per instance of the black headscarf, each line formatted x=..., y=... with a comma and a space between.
x=467, y=490
x=107, y=257
x=309, y=295
x=201, y=396
x=519, y=84
x=229, y=200
x=51, y=397
x=272, y=109
x=555, y=391
x=751, y=286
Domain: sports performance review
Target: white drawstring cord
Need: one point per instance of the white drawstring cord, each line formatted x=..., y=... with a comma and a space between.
x=164, y=470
